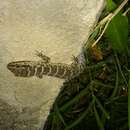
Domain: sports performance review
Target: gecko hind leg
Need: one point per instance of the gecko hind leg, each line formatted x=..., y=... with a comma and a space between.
x=76, y=65
x=75, y=61
x=44, y=58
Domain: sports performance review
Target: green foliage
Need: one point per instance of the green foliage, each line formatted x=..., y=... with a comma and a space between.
x=129, y=17
x=129, y=101
x=110, y=5
x=97, y=98
x=117, y=33
x=99, y=122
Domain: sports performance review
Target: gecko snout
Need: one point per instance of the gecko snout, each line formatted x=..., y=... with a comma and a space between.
x=21, y=68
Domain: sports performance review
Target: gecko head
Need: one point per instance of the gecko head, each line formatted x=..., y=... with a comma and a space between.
x=20, y=68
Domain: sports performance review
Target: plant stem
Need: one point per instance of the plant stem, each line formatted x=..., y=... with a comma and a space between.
x=108, y=20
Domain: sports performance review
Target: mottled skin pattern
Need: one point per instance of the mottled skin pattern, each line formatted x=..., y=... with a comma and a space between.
x=44, y=67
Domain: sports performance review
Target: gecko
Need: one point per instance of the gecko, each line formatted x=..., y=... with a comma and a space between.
x=45, y=67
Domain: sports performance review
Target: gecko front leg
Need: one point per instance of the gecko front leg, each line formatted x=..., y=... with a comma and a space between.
x=44, y=58
x=76, y=66
x=43, y=66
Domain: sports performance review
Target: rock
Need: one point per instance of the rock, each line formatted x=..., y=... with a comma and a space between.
x=59, y=28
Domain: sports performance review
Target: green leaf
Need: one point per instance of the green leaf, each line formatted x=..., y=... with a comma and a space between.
x=129, y=17
x=117, y=33
x=110, y=5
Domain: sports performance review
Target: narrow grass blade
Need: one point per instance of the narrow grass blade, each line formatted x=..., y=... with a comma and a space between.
x=129, y=101
x=99, y=123
x=102, y=108
x=59, y=115
x=81, y=117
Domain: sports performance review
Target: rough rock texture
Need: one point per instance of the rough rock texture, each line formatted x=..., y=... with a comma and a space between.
x=58, y=28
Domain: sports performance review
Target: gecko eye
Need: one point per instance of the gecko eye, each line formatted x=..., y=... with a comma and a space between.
x=17, y=66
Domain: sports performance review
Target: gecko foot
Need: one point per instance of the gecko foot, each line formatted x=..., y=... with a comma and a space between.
x=75, y=59
x=45, y=58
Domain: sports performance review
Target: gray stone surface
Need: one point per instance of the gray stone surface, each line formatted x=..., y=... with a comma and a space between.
x=58, y=28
